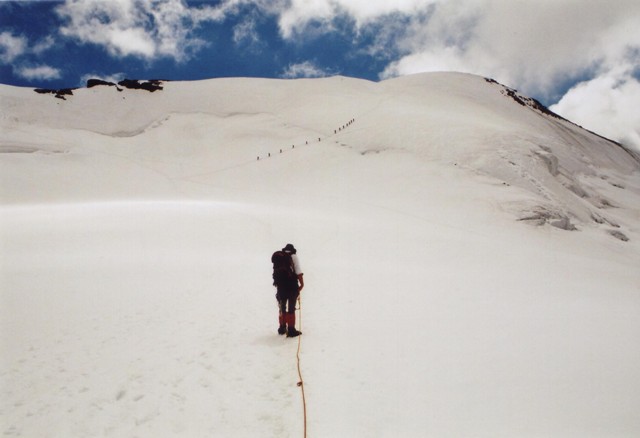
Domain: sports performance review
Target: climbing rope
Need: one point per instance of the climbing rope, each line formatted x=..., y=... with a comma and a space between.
x=301, y=382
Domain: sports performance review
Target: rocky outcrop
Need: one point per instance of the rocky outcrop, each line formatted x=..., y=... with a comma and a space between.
x=151, y=85
x=134, y=84
x=97, y=82
x=60, y=94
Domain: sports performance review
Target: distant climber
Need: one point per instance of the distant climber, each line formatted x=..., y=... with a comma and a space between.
x=288, y=279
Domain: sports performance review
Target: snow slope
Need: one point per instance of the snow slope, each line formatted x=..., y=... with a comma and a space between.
x=445, y=294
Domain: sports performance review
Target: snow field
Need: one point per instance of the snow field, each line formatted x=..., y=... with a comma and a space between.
x=136, y=295
x=131, y=333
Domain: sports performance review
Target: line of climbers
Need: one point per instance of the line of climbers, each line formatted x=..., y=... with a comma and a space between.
x=335, y=131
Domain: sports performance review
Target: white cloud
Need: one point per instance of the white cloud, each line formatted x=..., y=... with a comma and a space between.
x=14, y=48
x=304, y=69
x=11, y=47
x=42, y=72
x=43, y=45
x=246, y=33
x=131, y=42
x=117, y=25
x=144, y=28
x=300, y=12
x=607, y=104
x=296, y=15
x=366, y=10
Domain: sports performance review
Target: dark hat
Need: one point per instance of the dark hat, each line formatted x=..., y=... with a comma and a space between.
x=289, y=248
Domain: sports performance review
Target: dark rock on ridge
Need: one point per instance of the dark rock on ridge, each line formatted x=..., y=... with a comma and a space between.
x=525, y=101
x=58, y=93
x=134, y=84
x=95, y=82
x=150, y=85
x=537, y=106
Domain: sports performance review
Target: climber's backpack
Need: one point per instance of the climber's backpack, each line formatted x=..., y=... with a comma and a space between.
x=283, y=271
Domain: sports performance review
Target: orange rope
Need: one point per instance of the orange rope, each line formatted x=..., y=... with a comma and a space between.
x=301, y=382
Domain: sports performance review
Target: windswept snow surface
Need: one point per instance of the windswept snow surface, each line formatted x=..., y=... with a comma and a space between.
x=445, y=295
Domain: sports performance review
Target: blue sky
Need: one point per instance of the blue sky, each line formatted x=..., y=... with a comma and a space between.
x=246, y=42
x=581, y=57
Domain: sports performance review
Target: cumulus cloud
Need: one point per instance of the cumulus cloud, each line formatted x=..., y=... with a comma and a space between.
x=143, y=28
x=15, y=50
x=11, y=47
x=305, y=69
x=245, y=33
x=43, y=72
x=43, y=45
x=607, y=104
x=301, y=12
x=296, y=15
